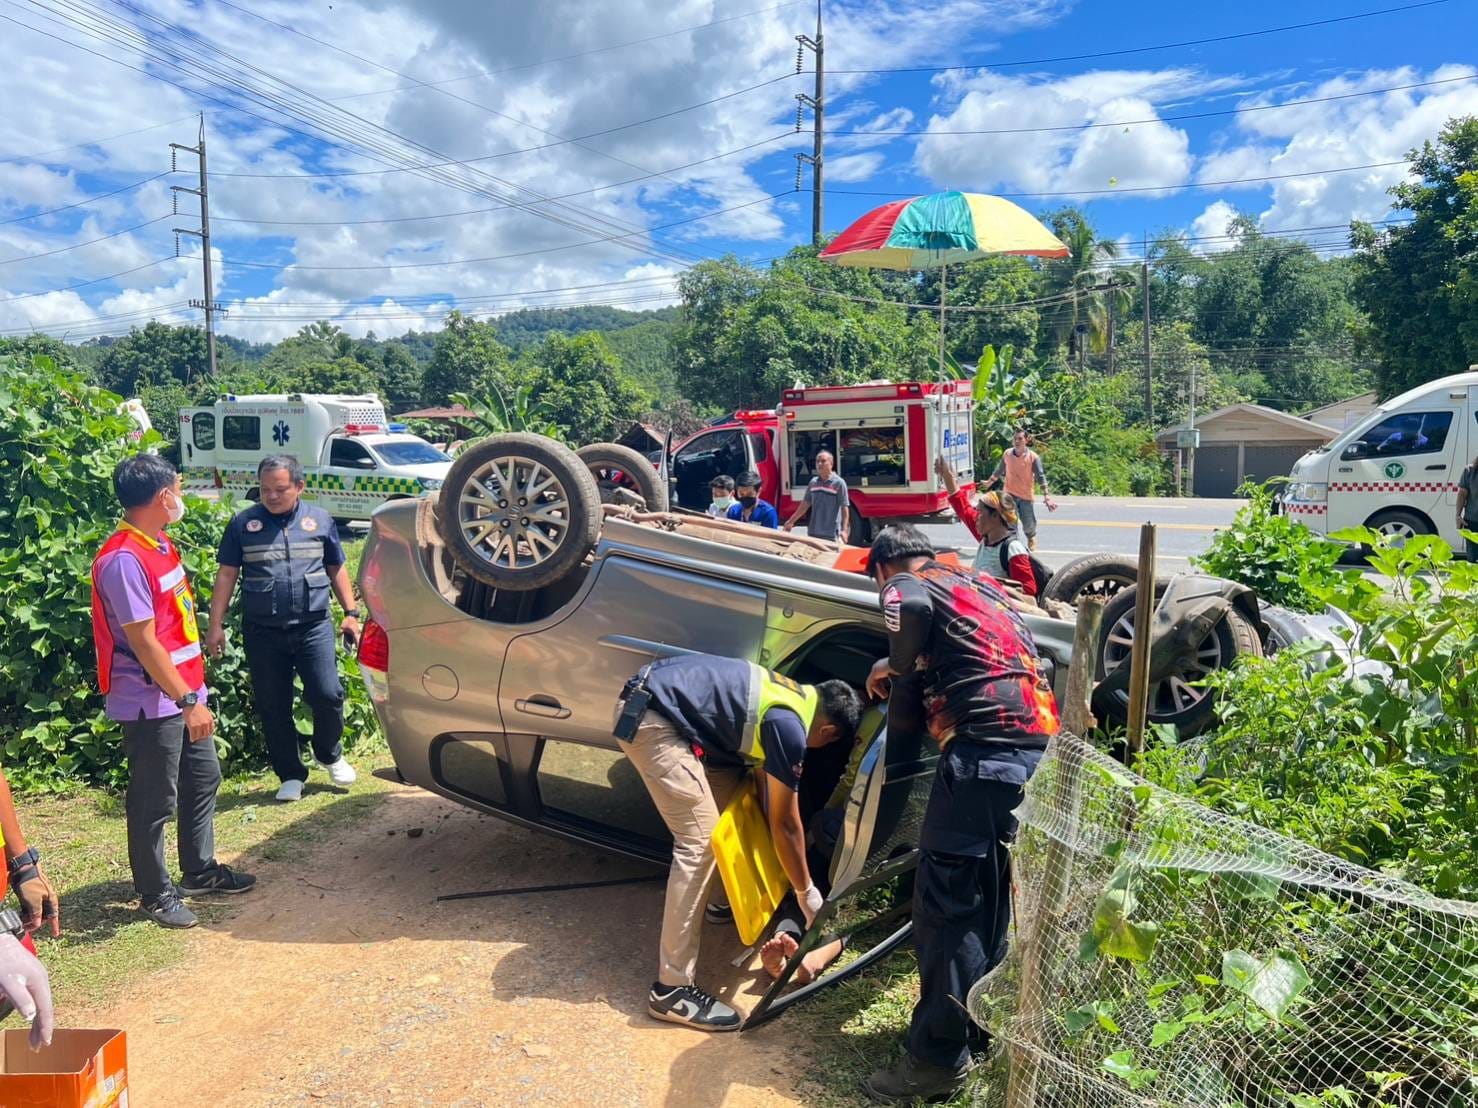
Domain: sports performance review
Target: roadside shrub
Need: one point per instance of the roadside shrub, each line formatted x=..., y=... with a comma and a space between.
x=60, y=438
x=1281, y=559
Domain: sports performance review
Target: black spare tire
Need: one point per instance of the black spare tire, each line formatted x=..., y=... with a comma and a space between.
x=620, y=467
x=1102, y=575
x=518, y=511
x=1174, y=699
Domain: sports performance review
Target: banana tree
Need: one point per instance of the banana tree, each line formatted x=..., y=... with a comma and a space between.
x=492, y=415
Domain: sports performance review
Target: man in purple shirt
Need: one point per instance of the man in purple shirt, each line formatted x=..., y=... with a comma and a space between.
x=167, y=727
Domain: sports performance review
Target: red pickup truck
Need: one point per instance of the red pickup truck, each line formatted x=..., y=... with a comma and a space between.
x=884, y=437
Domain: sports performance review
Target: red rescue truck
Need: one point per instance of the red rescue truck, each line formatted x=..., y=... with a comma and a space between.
x=884, y=437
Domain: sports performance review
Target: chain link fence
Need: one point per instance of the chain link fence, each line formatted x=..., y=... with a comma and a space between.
x=1166, y=954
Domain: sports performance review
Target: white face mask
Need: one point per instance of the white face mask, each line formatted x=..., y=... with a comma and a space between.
x=177, y=510
x=724, y=502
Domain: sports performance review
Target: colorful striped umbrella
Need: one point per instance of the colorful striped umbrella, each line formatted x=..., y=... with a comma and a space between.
x=940, y=229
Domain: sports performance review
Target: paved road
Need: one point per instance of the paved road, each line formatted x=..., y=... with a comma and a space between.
x=1107, y=524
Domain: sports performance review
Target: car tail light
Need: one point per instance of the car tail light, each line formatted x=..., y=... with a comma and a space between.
x=374, y=661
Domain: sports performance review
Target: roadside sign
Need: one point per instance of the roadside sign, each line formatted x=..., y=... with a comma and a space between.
x=1188, y=440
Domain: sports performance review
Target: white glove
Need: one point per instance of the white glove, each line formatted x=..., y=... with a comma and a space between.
x=810, y=900
x=24, y=983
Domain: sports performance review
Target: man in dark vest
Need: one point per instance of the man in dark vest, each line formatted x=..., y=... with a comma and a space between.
x=962, y=665
x=685, y=720
x=288, y=557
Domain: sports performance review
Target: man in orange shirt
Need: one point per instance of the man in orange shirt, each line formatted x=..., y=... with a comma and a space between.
x=1021, y=467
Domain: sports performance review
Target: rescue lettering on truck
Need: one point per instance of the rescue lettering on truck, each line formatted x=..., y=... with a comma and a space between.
x=884, y=437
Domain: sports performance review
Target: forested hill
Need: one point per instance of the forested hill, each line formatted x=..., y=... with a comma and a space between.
x=522, y=329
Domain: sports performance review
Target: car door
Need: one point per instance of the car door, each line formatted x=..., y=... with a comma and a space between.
x=198, y=445
x=343, y=484
x=722, y=452
x=1400, y=466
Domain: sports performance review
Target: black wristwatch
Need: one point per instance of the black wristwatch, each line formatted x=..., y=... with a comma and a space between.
x=10, y=921
x=189, y=700
x=24, y=861
x=355, y=614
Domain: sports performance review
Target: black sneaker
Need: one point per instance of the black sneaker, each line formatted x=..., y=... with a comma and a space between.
x=168, y=910
x=718, y=913
x=691, y=1006
x=218, y=879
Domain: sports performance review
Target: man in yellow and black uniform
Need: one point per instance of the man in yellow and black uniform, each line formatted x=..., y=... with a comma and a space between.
x=691, y=726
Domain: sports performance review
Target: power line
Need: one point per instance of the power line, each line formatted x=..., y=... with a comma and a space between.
x=1154, y=188
x=94, y=142
x=89, y=242
x=519, y=254
x=1168, y=118
x=93, y=281
x=1150, y=49
x=83, y=203
x=524, y=149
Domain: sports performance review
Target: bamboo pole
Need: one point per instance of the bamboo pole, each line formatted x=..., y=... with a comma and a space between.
x=1037, y=939
x=1139, y=656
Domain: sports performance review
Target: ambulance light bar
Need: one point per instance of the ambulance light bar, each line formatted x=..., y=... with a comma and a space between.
x=398, y=428
x=362, y=428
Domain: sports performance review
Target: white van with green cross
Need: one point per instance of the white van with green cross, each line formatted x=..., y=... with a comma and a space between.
x=354, y=459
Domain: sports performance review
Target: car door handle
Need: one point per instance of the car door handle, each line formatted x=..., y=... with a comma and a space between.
x=1432, y=468
x=542, y=705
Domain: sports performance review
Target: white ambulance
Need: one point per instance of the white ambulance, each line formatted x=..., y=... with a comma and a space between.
x=354, y=458
x=1397, y=469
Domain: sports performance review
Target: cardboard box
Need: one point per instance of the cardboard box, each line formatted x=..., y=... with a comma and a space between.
x=80, y=1069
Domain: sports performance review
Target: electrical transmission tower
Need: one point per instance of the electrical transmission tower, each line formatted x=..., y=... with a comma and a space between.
x=209, y=304
x=817, y=103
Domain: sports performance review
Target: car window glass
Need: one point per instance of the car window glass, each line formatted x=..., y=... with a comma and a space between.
x=804, y=446
x=872, y=456
x=203, y=430
x=409, y=454
x=348, y=453
x=241, y=432
x=718, y=453
x=760, y=444
x=1402, y=434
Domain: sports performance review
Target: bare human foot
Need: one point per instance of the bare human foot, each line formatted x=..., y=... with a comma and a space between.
x=775, y=953
x=778, y=951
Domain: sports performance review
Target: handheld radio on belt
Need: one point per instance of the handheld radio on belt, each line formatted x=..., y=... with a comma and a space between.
x=635, y=704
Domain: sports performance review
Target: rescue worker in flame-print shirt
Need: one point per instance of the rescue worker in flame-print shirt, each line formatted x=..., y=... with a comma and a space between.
x=962, y=665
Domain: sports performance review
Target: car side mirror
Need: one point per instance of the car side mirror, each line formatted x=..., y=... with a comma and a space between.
x=1355, y=451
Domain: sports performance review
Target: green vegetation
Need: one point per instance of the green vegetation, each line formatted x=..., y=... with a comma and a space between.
x=1275, y=555
x=59, y=440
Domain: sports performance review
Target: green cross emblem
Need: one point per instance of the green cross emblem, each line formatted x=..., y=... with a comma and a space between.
x=1395, y=470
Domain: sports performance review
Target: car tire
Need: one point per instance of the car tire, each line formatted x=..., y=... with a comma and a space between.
x=1103, y=575
x=529, y=553
x=860, y=529
x=1399, y=524
x=1172, y=700
x=620, y=467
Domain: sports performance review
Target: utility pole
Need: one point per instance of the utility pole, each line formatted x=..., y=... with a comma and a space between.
x=209, y=304
x=1149, y=377
x=1191, y=464
x=817, y=103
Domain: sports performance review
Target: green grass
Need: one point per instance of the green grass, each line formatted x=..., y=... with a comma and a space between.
x=83, y=840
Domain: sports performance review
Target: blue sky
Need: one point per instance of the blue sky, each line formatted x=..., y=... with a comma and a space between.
x=380, y=163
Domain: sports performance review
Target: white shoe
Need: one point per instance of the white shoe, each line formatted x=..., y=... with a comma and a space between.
x=291, y=790
x=340, y=772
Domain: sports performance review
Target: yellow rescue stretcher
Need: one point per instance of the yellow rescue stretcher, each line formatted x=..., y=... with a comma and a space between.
x=747, y=862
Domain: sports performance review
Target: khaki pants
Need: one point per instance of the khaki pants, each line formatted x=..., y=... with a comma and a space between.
x=689, y=799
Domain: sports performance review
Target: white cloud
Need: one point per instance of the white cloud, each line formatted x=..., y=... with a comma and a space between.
x=853, y=167
x=1209, y=229
x=1064, y=157
x=1358, y=131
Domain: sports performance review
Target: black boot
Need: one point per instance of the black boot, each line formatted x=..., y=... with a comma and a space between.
x=912, y=1079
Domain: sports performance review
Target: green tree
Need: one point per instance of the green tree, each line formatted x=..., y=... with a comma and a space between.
x=982, y=284
x=45, y=346
x=1074, y=277
x=1177, y=357
x=1418, y=282
x=342, y=375
x=583, y=387
x=750, y=334
x=156, y=354
x=401, y=379
x=316, y=343
x=467, y=358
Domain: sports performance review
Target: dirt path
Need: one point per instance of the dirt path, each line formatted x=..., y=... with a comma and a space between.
x=342, y=982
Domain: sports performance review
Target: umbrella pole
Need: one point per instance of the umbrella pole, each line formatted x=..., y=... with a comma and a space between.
x=943, y=286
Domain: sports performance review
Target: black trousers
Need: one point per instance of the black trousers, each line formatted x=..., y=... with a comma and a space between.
x=274, y=655
x=166, y=769
x=962, y=891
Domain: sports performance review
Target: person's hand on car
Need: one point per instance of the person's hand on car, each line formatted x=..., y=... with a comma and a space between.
x=23, y=982
x=946, y=474
x=879, y=679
